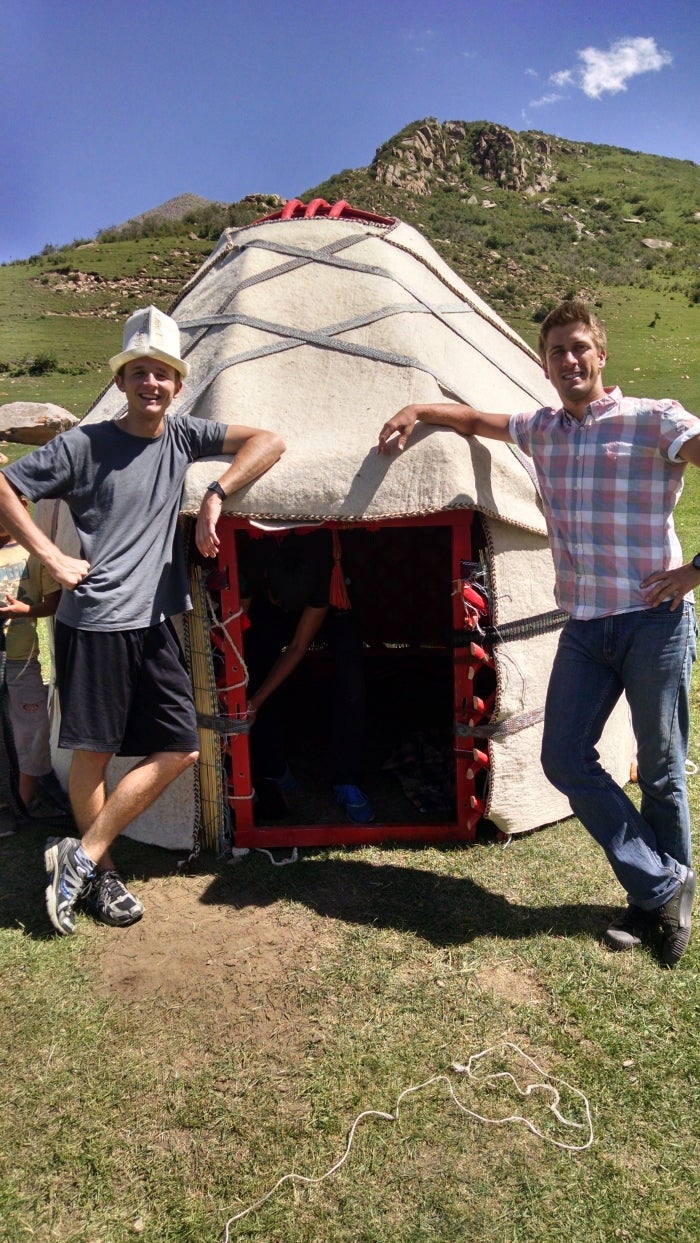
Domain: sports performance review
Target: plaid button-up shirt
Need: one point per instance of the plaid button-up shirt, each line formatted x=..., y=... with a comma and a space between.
x=609, y=485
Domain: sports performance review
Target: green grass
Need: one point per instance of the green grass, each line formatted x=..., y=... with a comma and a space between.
x=135, y=1112
x=79, y=323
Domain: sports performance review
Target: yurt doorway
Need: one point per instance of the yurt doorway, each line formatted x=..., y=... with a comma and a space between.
x=404, y=581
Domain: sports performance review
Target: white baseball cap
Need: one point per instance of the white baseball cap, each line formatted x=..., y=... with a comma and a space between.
x=151, y=334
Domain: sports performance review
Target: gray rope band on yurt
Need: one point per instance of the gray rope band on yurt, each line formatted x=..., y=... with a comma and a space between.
x=327, y=256
x=526, y=628
x=226, y=726
x=501, y=729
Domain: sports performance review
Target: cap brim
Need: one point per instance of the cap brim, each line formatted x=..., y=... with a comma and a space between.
x=117, y=362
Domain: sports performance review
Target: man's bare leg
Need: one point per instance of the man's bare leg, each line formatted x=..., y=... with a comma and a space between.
x=72, y=865
x=87, y=790
x=134, y=793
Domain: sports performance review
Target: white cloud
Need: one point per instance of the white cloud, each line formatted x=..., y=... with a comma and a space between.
x=545, y=99
x=531, y=73
x=609, y=72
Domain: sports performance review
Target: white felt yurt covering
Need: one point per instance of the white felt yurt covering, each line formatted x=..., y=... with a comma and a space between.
x=321, y=329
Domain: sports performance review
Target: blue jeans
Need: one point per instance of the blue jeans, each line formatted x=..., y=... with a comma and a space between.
x=649, y=655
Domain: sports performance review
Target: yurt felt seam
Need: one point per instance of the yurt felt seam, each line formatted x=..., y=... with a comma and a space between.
x=222, y=320
x=323, y=342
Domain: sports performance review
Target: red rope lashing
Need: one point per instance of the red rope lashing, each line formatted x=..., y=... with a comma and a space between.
x=317, y=207
x=339, y=597
x=290, y=209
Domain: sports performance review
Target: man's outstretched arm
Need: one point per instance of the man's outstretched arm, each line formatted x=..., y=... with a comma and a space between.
x=461, y=418
x=256, y=451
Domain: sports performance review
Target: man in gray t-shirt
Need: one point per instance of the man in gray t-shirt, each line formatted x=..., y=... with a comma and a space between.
x=121, y=676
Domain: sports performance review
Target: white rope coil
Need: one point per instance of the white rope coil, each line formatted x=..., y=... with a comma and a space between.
x=546, y=1085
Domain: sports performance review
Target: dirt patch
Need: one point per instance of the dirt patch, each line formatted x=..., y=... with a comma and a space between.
x=228, y=965
x=214, y=955
x=512, y=983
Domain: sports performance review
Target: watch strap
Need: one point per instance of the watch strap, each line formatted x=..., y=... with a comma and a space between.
x=216, y=487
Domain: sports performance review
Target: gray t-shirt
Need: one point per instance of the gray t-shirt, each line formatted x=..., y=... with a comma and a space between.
x=123, y=492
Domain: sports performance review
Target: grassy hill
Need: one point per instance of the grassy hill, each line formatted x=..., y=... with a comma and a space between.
x=524, y=218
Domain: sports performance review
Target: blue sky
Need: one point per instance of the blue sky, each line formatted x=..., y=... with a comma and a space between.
x=111, y=107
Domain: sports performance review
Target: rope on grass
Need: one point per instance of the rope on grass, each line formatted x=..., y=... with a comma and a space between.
x=483, y=1080
x=238, y=852
x=278, y=863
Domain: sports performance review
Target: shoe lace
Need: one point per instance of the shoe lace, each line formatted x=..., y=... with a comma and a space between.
x=110, y=885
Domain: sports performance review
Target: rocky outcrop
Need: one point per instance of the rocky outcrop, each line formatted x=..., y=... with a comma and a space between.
x=33, y=422
x=265, y=202
x=454, y=152
x=508, y=160
x=414, y=162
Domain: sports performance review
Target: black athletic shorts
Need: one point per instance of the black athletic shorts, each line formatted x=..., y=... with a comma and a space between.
x=124, y=692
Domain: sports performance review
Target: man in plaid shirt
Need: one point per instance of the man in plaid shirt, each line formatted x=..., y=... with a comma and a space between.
x=610, y=471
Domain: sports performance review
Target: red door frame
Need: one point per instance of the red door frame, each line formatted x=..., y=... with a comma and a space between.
x=469, y=807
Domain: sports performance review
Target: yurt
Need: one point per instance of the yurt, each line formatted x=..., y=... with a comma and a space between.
x=320, y=323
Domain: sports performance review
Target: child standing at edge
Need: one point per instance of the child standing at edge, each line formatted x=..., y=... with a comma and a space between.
x=29, y=592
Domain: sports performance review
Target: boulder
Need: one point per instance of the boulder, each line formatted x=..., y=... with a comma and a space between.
x=33, y=422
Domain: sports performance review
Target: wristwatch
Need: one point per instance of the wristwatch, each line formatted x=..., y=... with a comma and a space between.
x=696, y=561
x=216, y=487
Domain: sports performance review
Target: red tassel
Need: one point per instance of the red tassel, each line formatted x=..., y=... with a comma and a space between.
x=338, y=594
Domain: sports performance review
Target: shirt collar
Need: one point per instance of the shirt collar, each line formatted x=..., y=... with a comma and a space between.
x=611, y=398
